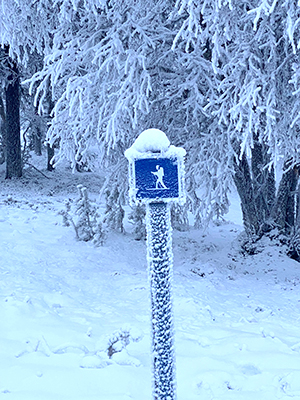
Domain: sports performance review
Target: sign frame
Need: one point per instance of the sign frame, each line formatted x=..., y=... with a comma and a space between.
x=138, y=193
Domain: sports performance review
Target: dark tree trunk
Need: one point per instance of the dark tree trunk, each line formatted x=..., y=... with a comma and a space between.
x=294, y=245
x=243, y=182
x=2, y=109
x=2, y=143
x=263, y=209
x=37, y=135
x=2, y=132
x=283, y=213
x=37, y=140
x=264, y=187
x=13, y=139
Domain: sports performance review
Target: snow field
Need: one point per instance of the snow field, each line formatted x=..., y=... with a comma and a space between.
x=64, y=304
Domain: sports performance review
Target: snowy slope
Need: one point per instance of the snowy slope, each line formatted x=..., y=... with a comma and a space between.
x=65, y=306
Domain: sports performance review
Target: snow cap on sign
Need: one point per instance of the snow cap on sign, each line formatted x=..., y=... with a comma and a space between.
x=153, y=140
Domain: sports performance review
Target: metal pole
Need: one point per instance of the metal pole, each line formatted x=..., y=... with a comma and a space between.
x=160, y=263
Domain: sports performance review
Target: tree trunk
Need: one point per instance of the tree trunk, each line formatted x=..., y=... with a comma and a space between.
x=37, y=140
x=243, y=182
x=263, y=180
x=283, y=213
x=2, y=109
x=263, y=209
x=2, y=132
x=13, y=139
x=37, y=136
x=294, y=245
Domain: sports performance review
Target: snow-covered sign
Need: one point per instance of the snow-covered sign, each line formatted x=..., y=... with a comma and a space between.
x=156, y=173
x=156, y=169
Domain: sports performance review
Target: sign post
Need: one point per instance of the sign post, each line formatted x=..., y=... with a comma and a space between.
x=156, y=173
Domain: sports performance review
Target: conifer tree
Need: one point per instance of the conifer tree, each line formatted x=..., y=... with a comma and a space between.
x=253, y=53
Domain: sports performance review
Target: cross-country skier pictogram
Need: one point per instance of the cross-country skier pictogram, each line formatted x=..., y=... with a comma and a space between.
x=159, y=177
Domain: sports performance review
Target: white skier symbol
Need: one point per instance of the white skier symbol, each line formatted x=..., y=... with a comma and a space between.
x=159, y=177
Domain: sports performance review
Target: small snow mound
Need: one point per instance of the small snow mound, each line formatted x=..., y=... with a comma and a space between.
x=71, y=348
x=96, y=361
x=249, y=369
x=296, y=347
x=123, y=358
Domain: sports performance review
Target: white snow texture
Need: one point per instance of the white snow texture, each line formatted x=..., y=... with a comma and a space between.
x=64, y=303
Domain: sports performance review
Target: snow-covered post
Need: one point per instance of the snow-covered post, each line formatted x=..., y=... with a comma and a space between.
x=160, y=274
x=156, y=173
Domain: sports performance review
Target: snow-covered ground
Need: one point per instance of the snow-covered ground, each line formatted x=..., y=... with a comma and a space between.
x=66, y=306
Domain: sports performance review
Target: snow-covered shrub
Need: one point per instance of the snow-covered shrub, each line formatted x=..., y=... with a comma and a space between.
x=179, y=218
x=67, y=220
x=86, y=213
x=137, y=218
x=114, y=213
x=100, y=234
x=120, y=339
x=84, y=218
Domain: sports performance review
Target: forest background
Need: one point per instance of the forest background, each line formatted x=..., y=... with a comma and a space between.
x=83, y=78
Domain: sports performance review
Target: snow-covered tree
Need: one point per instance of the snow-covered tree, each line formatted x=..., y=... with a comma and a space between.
x=84, y=218
x=24, y=30
x=114, y=213
x=221, y=78
x=252, y=50
x=108, y=69
x=98, y=76
x=113, y=73
x=26, y=27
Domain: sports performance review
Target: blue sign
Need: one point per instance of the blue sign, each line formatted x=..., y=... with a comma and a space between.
x=156, y=178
